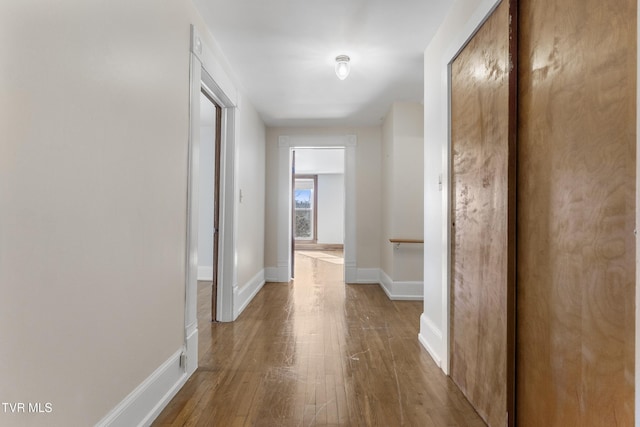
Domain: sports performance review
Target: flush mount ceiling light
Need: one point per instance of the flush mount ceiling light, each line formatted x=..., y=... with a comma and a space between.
x=342, y=66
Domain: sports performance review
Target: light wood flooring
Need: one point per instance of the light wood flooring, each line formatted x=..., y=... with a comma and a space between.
x=315, y=352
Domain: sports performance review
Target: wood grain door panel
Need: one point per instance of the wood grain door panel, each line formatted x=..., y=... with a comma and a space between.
x=576, y=213
x=480, y=212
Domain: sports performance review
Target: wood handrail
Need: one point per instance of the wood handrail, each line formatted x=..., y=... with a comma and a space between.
x=406, y=241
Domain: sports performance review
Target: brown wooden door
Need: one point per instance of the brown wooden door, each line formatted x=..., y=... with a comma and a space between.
x=216, y=214
x=482, y=230
x=216, y=204
x=576, y=192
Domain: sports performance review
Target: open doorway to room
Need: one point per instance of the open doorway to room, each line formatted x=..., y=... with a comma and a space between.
x=212, y=137
x=318, y=205
x=288, y=147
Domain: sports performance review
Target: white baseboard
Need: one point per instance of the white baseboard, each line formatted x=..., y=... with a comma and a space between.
x=401, y=291
x=386, y=283
x=279, y=274
x=145, y=403
x=243, y=296
x=431, y=339
x=271, y=274
x=350, y=272
x=367, y=275
x=205, y=273
x=192, y=348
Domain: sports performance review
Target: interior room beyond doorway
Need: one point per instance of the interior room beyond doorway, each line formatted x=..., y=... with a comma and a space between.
x=319, y=199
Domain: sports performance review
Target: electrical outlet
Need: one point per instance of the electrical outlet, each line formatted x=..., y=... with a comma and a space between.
x=183, y=360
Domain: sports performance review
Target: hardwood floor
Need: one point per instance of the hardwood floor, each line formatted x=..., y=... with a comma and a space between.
x=315, y=352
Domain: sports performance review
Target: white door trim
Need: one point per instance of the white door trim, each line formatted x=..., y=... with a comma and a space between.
x=285, y=145
x=207, y=74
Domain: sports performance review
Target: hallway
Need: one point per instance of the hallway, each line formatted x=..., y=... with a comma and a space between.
x=316, y=352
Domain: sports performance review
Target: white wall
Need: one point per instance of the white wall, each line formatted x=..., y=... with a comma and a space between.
x=450, y=36
x=319, y=160
x=206, y=188
x=331, y=208
x=93, y=182
x=408, y=184
x=402, y=174
x=368, y=197
x=387, y=173
x=93, y=178
x=250, y=168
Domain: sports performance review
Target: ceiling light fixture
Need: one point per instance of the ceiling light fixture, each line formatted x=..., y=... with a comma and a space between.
x=342, y=66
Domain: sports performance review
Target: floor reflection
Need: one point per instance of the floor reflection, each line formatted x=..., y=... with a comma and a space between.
x=317, y=352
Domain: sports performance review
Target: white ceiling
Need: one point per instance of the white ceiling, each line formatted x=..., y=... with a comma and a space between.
x=283, y=53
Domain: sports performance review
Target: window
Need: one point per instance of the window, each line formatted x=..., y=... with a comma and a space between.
x=305, y=198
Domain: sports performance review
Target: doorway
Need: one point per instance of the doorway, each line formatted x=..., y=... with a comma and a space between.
x=286, y=146
x=206, y=74
x=318, y=204
x=209, y=195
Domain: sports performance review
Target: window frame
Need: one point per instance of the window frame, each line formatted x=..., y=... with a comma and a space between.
x=314, y=207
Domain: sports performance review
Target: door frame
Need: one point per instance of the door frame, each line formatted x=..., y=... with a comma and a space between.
x=206, y=73
x=286, y=144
